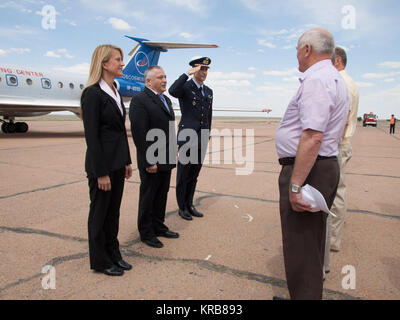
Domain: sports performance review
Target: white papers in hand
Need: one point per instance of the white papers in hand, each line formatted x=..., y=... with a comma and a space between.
x=312, y=196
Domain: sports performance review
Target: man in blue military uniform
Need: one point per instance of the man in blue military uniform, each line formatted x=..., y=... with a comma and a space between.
x=195, y=101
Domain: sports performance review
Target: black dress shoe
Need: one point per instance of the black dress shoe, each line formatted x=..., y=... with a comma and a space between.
x=278, y=298
x=112, y=271
x=124, y=265
x=193, y=211
x=155, y=243
x=185, y=214
x=168, y=234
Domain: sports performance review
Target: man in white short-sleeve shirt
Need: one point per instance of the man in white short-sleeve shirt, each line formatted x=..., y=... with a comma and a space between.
x=307, y=145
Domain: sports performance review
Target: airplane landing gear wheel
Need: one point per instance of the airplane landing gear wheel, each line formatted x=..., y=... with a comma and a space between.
x=4, y=127
x=21, y=127
x=11, y=127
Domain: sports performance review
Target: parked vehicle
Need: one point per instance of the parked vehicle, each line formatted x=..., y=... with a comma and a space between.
x=369, y=119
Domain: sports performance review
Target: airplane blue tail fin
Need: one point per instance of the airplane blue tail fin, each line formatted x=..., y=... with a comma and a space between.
x=142, y=57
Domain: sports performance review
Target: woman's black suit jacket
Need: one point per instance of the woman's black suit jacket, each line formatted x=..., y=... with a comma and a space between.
x=105, y=133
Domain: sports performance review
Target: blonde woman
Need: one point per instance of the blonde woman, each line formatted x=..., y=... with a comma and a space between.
x=108, y=160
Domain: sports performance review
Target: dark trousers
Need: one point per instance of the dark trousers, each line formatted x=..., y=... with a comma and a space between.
x=303, y=233
x=103, y=222
x=154, y=189
x=392, y=127
x=186, y=180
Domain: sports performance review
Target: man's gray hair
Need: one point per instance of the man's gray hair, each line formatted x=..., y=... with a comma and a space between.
x=320, y=40
x=149, y=72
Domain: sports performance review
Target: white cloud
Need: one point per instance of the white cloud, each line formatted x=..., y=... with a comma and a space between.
x=82, y=68
x=120, y=8
x=13, y=5
x=287, y=72
x=361, y=84
x=291, y=79
x=344, y=47
x=270, y=88
x=59, y=53
x=390, y=64
x=217, y=75
x=252, y=68
x=229, y=80
x=119, y=24
x=229, y=83
x=186, y=35
x=290, y=46
x=390, y=80
x=18, y=50
x=19, y=31
x=52, y=54
x=266, y=43
x=380, y=75
x=3, y=52
x=192, y=5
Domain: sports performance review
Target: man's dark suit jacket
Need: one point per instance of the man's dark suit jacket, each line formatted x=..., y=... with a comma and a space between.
x=196, y=109
x=147, y=112
x=105, y=133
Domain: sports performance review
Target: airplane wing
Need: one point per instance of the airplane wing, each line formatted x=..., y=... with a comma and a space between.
x=169, y=45
x=21, y=105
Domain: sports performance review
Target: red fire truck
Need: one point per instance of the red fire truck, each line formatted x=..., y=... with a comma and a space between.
x=369, y=119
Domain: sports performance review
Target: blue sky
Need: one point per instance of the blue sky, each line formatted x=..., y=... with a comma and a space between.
x=255, y=65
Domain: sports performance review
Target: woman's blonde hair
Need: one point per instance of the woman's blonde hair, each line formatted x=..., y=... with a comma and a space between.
x=100, y=55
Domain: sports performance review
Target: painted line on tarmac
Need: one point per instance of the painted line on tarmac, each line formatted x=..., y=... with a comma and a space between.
x=42, y=189
x=277, y=172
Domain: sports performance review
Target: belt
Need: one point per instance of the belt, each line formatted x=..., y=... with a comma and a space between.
x=290, y=160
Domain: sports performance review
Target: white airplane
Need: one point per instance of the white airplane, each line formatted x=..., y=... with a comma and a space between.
x=27, y=92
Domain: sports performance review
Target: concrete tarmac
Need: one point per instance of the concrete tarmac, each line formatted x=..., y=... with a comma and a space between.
x=233, y=252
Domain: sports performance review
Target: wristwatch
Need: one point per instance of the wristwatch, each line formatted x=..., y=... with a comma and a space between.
x=295, y=188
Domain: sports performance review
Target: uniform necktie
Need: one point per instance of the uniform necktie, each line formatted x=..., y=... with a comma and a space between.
x=164, y=101
x=201, y=90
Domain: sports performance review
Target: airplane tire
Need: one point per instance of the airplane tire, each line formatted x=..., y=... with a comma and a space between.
x=4, y=127
x=21, y=127
x=11, y=128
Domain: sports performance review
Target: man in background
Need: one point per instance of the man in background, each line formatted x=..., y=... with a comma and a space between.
x=392, y=124
x=335, y=225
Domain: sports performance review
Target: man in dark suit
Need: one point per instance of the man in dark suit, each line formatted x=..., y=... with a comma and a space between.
x=151, y=114
x=195, y=101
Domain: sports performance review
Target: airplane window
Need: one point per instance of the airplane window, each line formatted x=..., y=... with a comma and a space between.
x=12, y=80
x=46, y=83
x=71, y=85
x=29, y=82
x=60, y=85
x=81, y=86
